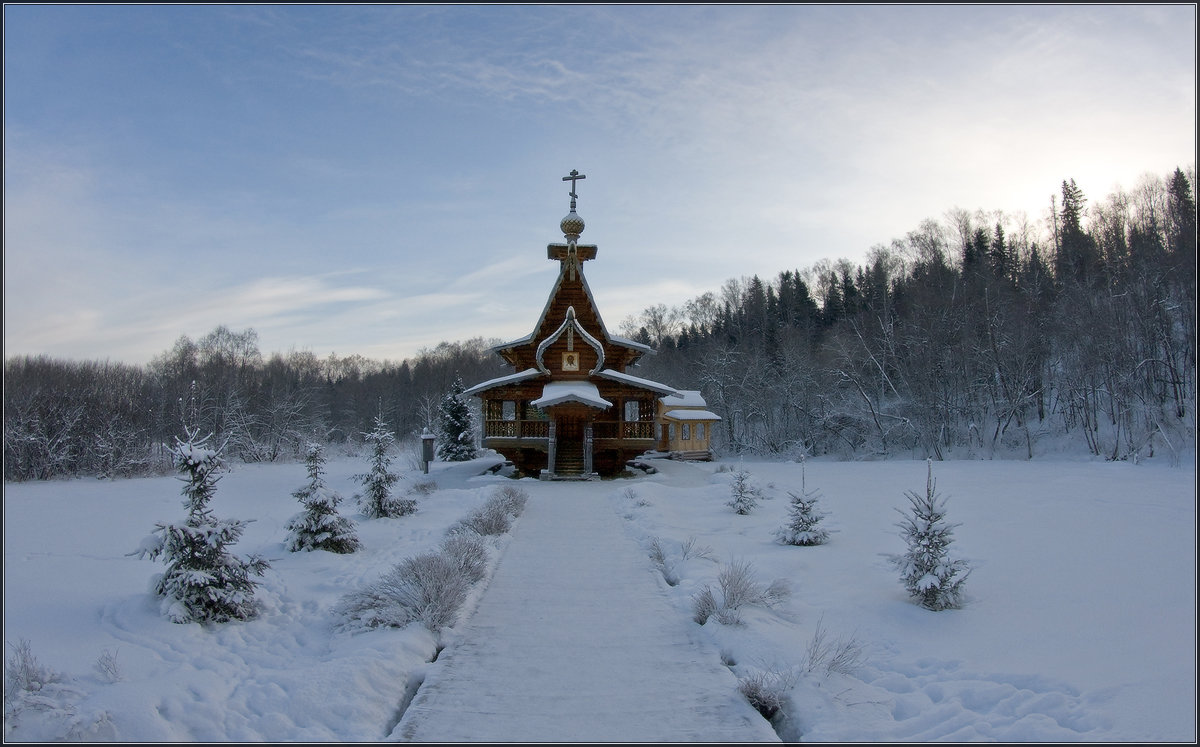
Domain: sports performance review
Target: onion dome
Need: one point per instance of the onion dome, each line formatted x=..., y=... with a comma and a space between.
x=572, y=225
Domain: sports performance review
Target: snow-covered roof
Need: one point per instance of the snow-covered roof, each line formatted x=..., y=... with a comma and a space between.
x=625, y=378
x=528, y=373
x=511, y=343
x=631, y=344
x=685, y=398
x=561, y=392
x=691, y=415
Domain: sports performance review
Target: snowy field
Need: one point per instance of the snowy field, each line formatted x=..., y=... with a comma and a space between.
x=1080, y=623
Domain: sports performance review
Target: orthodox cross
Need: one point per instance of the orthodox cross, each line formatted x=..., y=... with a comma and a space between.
x=575, y=175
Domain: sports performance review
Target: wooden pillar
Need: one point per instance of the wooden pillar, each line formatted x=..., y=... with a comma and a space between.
x=550, y=447
x=587, y=448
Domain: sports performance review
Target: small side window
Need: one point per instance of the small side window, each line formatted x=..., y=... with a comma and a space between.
x=687, y=431
x=509, y=410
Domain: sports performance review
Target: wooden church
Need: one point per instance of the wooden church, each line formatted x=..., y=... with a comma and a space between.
x=570, y=410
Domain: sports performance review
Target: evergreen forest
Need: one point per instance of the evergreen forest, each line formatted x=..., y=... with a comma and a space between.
x=976, y=335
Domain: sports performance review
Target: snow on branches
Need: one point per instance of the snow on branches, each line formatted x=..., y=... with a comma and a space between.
x=456, y=426
x=377, y=501
x=928, y=573
x=803, y=517
x=744, y=493
x=203, y=582
x=319, y=526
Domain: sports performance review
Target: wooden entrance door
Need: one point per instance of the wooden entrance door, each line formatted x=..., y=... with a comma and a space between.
x=569, y=450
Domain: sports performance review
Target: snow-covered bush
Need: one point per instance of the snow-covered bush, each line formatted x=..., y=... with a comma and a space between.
x=457, y=442
x=803, y=518
x=319, y=526
x=496, y=515
x=928, y=573
x=840, y=656
x=432, y=588
x=744, y=494
x=469, y=552
x=377, y=501
x=690, y=549
x=489, y=519
x=203, y=582
x=429, y=588
x=704, y=604
x=108, y=667
x=512, y=498
x=663, y=561
x=423, y=487
x=24, y=674
x=41, y=705
x=666, y=561
x=738, y=589
x=767, y=690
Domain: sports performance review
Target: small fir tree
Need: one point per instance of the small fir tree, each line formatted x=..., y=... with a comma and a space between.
x=926, y=570
x=378, y=502
x=203, y=581
x=803, y=517
x=319, y=526
x=456, y=425
x=744, y=494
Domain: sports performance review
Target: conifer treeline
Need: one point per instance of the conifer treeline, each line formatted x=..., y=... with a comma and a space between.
x=974, y=335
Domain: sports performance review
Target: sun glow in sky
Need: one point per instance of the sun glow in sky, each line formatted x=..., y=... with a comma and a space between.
x=375, y=179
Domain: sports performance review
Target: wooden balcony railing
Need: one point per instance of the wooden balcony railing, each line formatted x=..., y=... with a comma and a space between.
x=623, y=430
x=516, y=429
x=541, y=429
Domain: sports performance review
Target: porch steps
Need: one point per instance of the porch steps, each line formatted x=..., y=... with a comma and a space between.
x=568, y=460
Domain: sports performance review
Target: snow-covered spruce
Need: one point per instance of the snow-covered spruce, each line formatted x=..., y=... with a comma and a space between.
x=803, y=517
x=377, y=500
x=744, y=494
x=319, y=526
x=203, y=582
x=926, y=570
x=456, y=426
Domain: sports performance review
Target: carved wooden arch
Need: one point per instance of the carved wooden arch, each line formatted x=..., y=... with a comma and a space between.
x=570, y=323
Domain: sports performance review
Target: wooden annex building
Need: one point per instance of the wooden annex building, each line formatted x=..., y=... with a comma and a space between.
x=570, y=410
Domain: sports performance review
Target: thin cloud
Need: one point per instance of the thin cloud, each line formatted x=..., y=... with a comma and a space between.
x=423, y=145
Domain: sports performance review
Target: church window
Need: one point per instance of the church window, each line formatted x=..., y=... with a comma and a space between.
x=631, y=410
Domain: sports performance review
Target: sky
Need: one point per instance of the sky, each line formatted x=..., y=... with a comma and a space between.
x=376, y=179
x=1060, y=639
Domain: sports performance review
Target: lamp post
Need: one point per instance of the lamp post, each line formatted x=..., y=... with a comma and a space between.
x=427, y=440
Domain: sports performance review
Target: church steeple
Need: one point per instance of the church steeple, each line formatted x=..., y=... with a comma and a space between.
x=572, y=225
x=572, y=253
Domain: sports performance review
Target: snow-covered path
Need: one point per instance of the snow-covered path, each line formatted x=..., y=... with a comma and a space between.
x=575, y=640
